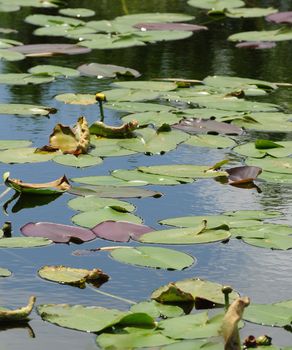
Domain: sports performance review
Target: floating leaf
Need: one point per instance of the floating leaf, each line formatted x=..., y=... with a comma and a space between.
x=280, y=17
x=108, y=181
x=24, y=79
x=48, y=20
x=79, y=99
x=77, y=12
x=54, y=71
x=153, y=118
x=147, y=85
x=57, y=186
x=160, y=258
x=83, y=160
x=261, y=148
x=47, y=50
x=216, y=4
x=8, y=144
x=210, y=141
x=155, y=309
x=262, y=35
x=25, y=109
x=9, y=55
x=90, y=203
x=245, y=12
x=113, y=191
x=72, y=276
x=138, y=107
x=274, y=165
x=24, y=242
x=191, y=235
x=201, y=292
x=106, y=70
x=24, y=155
x=17, y=315
x=5, y=272
x=169, y=26
x=194, y=126
x=91, y=218
x=243, y=174
x=120, y=231
x=58, y=233
x=105, y=147
x=103, y=130
x=258, y=45
x=151, y=179
x=131, y=95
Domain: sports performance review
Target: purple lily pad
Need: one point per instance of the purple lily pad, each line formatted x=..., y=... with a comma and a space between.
x=58, y=233
x=207, y=126
x=169, y=26
x=257, y=45
x=280, y=17
x=44, y=50
x=243, y=174
x=120, y=231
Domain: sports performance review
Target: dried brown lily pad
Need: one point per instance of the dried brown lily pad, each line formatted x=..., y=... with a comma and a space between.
x=57, y=186
x=207, y=126
x=243, y=174
x=47, y=50
x=169, y=26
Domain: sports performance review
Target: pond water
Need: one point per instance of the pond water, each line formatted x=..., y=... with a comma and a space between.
x=262, y=274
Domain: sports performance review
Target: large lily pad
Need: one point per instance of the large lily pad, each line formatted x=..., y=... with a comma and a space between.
x=24, y=155
x=120, y=231
x=147, y=85
x=72, y=276
x=153, y=118
x=274, y=165
x=48, y=20
x=89, y=203
x=24, y=79
x=108, y=180
x=105, y=147
x=210, y=141
x=216, y=4
x=8, y=144
x=262, y=148
x=160, y=258
x=54, y=71
x=192, y=290
x=246, y=12
x=82, y=161
x=106, y=70
x=57, y=232
x=155, y=309
x=138, y=107
x=9, y=55
x=24, y=242
x=78, y=99
x=262, y=35
x=131, y=95
x=77, y=12
x=91, y=218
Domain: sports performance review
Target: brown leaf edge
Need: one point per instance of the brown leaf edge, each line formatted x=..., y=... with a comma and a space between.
x=18, y=315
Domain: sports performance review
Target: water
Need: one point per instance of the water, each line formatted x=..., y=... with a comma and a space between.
x=263, y=275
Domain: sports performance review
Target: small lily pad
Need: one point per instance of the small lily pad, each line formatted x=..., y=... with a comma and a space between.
x=155, y=309
x=246, y=12
x=5, y=272
x=262, y=35
x=72, y=276
x=25, y=109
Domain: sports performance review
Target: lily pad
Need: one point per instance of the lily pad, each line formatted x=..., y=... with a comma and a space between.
x=245, y=12
x=24, y=242
x=131, y=95
x=106, y=70
x=90, y=203
x=82, y=161
x=47, y=50
x=48, y=20
x=261, y=148
x=120, y=231
x=263, y=35
x=8, y=144
x=147, y=85
x=153, y=118
x=24, y=79
x=155, y=309
x=54, y=71
x=17, y=315
x=108, y=181
x=216, y=4
x=280, y=17
x=24, y=155
x=192, y=290
x=25, y=109
x=77, y=12
x=8, y=55
x=138, y=107
x=150, y=179
x=72, y=276
x=91, y=218
x=274, y=165
x=57, y=233
x=5, y=272
x=190, y=235
x=243, y=174
x=76, y=99
x=210, y=141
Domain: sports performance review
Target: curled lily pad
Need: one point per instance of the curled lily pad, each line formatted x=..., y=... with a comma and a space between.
x=120, y=231
x=201, y=292
x=72, y=276
x=57, y=232
x=5, y=272
x=160, y=258
x=106, y=70
x=17, y=315
x=124, y=131
x=57, y=186
x=243, y=174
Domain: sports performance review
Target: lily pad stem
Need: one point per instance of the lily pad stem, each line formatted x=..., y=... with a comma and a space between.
x=113, y=296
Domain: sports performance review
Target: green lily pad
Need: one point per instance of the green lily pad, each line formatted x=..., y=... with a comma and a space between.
x=6, y=43
x=76, y=99
x=48, y=20
x=159, y=258
x=25, y=109
x=190, y=235
x=246, y=12
x=91, y=218
x=150, y=179
x=262, y=148
x=182, y=170
x=105, y=147
x=147, y=85
x=216, y=4
x=77, y=12
x=273, y=165
x=8, y=144
x=137, y=107
x=155, y=309
x=197, y=345
x=106, y=70
x=24, y=79
x=92, y=203
x=154, y=118
x=192, y=290
x=129, y=339
x=263, y=35
x=131, y=95
x=72, y=276
x=276, y=177
x=65, y=31
x=210, y=141
x=83, y=318
x=7, y=55
x=154, y=17
x=5, y=272
x=54, y=71
x=24, y=242
x=254, y=214
x=108, y=181
x=17, y=315
x=24, y=155
x=82, y=161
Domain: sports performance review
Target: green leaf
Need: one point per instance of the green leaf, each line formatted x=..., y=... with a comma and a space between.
x=25, y=109
x=262, y=148
x=160, y=258
x=147, y=85
x=5, y=272
x=155, y=309
x=150, y=179
x=105, y=147
x=107, y=70
x=92, y=218
x=72, y=276
x=108, y=181
x=24, y=242
x=274, y=165
x=215, y=4
x=8, y=55
x=49, y=20
x=24, y=79
x=8, y=144
x=131, y=95
x=190, y=235
x=153, y=118
x=77, y=12
x=210, y=141
x=92, y=203
x=137, y=107
x=82, y=161
x=262, y=35
x=54, y=71
x=76, y=99
x=245, y=12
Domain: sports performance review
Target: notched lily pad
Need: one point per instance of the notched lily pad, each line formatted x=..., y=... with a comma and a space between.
x=58, y=233
x=73, y=276
x=17, y=315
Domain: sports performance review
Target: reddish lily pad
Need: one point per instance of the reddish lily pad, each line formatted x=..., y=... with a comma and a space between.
x=58, y=233
x=45, y=50
x=257, y=45
x=169, y=26
x=207, y=126
x=106, y=70
x=280, y=17
x=243, y=174
x=120, y=231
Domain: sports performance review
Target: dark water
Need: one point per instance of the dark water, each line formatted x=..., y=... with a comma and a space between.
x=263, y=275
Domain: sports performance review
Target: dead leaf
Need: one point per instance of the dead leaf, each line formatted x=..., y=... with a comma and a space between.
x=17, y=315
x=123, y=131
x=243, y=174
